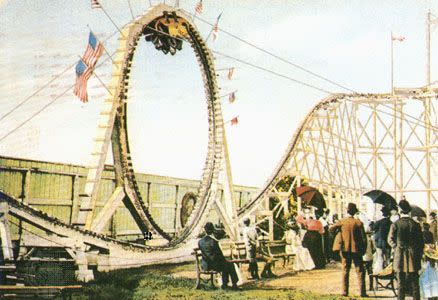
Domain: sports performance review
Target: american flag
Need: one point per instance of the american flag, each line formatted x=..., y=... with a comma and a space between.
x=234, y=121
x=95, y=4
x=232, y=97
x=93, y=52
x=230, y=73
x=83, y=73
x=198, y=7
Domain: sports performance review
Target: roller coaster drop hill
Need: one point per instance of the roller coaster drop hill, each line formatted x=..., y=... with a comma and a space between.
x=324, y=151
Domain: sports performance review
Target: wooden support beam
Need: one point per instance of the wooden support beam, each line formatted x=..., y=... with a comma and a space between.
x=108, y=210
x=75, y=199
x=5, y=234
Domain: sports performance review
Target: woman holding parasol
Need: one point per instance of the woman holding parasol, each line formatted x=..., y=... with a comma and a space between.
x=313, y=203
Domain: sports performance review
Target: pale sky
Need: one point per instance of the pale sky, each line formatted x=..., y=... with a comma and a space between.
x=346, y=41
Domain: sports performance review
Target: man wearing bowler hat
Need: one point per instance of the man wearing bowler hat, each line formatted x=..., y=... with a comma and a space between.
x=213, y=258
x=351, y=246
x=406, y=239
x=381, y=231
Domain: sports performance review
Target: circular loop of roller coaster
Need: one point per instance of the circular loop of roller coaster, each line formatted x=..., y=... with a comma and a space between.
x=184, y=30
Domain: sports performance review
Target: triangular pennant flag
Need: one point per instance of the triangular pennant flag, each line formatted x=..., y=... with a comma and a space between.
x=234, y=121
x=199, y=8
x=95, y=4
x=230, y=73
x=232, y=97
x=397, y=38
x=215, y=30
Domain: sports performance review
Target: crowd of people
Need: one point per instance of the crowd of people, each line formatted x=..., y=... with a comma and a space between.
x=317, y=237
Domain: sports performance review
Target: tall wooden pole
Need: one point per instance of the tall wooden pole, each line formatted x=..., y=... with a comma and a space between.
x=392, y=64
x=428, y=21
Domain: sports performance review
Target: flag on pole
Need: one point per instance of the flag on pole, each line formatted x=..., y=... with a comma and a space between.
x=85, y=66
x=397, y=38
x=83, y=73
x=234, y=121
x=230, y=73
x=232, y=97
x=93, y=52
x=215, y=32
x=216, y=28
x=199, y=8
x=95, y=4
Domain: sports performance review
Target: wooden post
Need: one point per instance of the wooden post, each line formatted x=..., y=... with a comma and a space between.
x=271, y=226
x=5, y=233
x=298, y=198
x=26, y=187
x=177, y=223
x=75, y=199
x=330, y=199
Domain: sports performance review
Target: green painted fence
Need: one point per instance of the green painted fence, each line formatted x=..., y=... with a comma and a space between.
x=54, y=188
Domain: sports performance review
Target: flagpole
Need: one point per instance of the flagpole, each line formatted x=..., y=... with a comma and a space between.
x=212, y=27
x=103, y=84
x=130, y=9
x=112, y=21
x=226, y=95
x=392, y=64
x=428, y=21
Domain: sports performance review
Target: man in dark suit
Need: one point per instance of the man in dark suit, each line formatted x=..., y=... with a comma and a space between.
x=351, y=244
x=433, y=227
x=213, y=258
x=381, y=229
x=406, y=239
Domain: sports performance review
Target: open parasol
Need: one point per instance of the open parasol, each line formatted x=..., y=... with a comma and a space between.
x=311, y=196
x=380, y=197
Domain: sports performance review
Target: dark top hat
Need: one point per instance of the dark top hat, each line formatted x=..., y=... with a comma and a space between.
x=385, y=211
x=209, y=228
x=404, y=206
x=352, y=209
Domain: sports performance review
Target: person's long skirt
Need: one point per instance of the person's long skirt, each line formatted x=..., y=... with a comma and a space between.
x=313, y=241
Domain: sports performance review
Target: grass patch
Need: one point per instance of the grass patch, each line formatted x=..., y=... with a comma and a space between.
x=157, y=282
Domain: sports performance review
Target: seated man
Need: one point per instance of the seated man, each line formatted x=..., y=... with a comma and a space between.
x=213, y=258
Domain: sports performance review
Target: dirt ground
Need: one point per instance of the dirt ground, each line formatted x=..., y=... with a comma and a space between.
x=324, y=282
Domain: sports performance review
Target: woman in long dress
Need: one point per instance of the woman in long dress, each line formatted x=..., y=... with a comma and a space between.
x=312, y=239
x=303, y=260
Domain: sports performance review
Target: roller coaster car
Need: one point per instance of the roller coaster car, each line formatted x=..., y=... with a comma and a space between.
x=177, y=27
x=167, y=33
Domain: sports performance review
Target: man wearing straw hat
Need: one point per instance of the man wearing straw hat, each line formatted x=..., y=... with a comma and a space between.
x=406, y=239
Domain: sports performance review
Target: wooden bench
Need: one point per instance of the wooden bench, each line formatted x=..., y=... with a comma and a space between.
x=233, y=252
x=388, y=275
x=277, y=250
x=199, y=271
x=236, y=253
